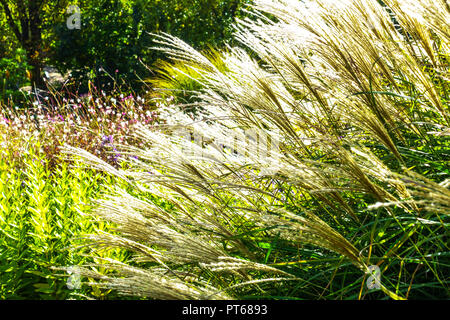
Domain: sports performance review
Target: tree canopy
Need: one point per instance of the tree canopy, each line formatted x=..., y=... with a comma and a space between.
x=113, y=34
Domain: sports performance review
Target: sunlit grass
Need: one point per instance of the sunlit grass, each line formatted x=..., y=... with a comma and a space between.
x=356, y=96
x=351, y=96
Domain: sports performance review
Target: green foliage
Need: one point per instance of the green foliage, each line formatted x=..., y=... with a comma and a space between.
x=175, y=80
x=40, y=218
x=8, y=45
x=13, y=75
x=114, y=34
x=111, y=37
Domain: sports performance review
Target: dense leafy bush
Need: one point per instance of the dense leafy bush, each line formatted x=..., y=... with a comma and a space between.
x=114, y=34
x=13, y=76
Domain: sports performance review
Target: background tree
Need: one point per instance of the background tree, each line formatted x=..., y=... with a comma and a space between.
x=114, y=34
x=26, y=19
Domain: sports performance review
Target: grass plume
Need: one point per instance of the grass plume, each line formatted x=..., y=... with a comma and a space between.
x=319, y=151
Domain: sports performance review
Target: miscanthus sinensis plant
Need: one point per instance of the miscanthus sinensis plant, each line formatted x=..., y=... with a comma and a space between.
x=320, y=156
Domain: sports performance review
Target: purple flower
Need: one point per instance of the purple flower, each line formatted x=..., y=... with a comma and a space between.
x=107, y=140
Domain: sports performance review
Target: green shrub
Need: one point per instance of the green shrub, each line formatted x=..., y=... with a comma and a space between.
x=114, y=35
x=13, y=76
x=40, y=219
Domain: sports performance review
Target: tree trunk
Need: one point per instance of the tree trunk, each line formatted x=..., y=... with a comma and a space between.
x=29, y=34
x=33, y=44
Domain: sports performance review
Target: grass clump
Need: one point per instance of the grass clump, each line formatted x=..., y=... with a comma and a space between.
x=321, y=153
